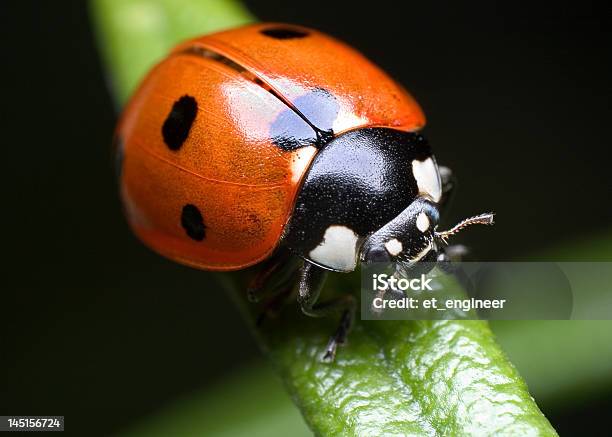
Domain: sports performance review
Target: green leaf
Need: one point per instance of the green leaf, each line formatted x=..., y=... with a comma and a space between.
x=399, y=377
x=404, y=378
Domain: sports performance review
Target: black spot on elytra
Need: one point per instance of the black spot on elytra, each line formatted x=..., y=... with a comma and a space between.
x=284, y=32
x=192, y=222
x=118, y=146
x=175, y=129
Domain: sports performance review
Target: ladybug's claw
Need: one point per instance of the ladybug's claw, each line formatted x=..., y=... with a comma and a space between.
x=339, y=338
x=330, y=351
x=311, y=282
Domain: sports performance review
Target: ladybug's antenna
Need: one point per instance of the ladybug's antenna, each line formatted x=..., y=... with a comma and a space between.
x=482, y=219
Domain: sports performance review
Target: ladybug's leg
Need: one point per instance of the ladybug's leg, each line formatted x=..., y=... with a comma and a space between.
x=456, y=252
x=259, y=286
x=453, y=253
x=449, y=182
x=448, y=179
x=273, y=306
x=310, y=285
x=273, y=276
x=273, y=284
x=451, y=264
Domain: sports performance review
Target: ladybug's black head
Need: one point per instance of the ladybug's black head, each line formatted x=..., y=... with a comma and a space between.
x=409, y=237
x=412, y=236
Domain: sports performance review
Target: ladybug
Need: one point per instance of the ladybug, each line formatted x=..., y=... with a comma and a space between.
x=278, y=143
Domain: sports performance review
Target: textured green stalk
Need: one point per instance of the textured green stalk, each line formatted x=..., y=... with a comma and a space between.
x=403, y=378
x=398, y=377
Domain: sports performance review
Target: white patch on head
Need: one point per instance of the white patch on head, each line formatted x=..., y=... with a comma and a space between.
x=338, y=250
x=427, y=178
x=394, y=247
x=422, y=222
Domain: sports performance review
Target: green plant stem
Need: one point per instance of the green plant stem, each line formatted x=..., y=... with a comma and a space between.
x=396, y=377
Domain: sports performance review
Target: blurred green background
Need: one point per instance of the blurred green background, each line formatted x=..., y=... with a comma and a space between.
x=98, y=329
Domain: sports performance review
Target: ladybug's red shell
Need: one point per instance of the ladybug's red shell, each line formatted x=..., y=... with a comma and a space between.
x=216, y=140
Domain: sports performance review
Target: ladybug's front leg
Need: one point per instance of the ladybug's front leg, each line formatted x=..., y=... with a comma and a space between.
x=449, y=182
x=312, y=279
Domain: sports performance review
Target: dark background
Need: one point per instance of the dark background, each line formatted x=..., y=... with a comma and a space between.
x=518, y=104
